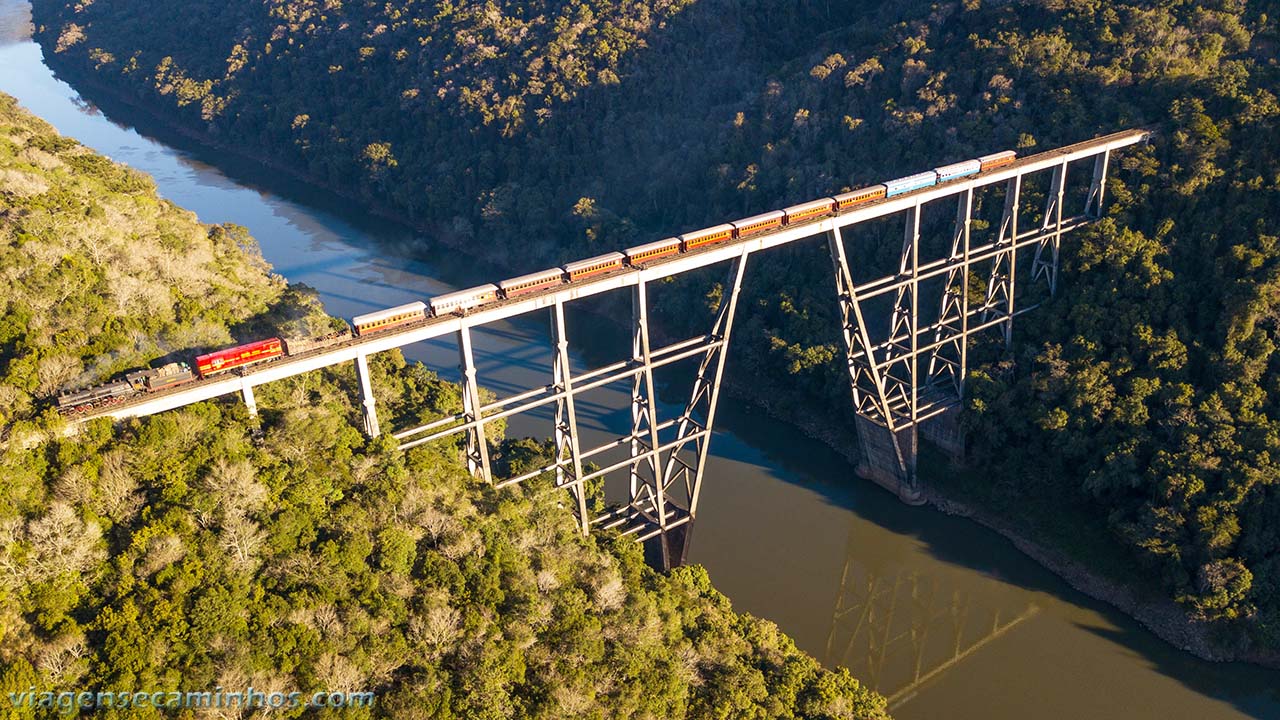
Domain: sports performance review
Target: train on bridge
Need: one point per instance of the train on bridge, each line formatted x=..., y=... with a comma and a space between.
x=241, y=357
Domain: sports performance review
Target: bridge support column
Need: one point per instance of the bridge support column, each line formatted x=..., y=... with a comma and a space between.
x=888, y=458
x=566, y=418
x=1098, y=186
x=944, y=432
x=665, y=492
x=949, y=359
x=1045, y=263
x=886, y=437
x=370, y=412
x=477, y=447
x=1004, y=267
x=250, y=401
x=644, y=425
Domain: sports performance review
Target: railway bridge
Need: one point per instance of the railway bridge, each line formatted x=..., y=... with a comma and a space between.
x=906, y=340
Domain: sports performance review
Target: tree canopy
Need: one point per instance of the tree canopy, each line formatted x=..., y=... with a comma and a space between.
x=203, y=548
x=1143, y=396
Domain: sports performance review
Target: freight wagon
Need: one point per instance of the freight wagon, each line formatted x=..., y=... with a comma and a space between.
x=297, y=346
x=166, y=376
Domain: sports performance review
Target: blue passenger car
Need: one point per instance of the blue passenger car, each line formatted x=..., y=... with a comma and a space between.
x=957, y=170
x=910, y=182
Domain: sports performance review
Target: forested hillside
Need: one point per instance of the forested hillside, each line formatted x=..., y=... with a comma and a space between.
x=204, y=548
x=100, y=275
x=534, y=132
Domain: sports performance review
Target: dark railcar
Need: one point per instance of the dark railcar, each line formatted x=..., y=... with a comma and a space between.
x=165, y=376
x=98, y=395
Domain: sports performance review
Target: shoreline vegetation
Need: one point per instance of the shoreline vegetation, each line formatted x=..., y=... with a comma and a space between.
x=1144, y=400
x=204, y=547
x=1162, y=618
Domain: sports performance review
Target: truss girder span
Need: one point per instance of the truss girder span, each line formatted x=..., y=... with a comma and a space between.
x=907, y=367
x=907, y=362
x=665, y=457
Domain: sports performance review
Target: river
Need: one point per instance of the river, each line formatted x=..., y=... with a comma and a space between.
x=943, y=616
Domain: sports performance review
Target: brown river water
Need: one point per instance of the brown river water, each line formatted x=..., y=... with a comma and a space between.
x=943, y=616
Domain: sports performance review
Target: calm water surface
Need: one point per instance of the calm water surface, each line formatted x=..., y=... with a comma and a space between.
x=942, y=616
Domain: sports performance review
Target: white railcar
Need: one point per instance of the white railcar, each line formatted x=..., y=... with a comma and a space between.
x=463, y=300
x=956, y=170
x=910, y=182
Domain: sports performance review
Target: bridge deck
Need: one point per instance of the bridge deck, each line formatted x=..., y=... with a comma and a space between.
x=624, y=278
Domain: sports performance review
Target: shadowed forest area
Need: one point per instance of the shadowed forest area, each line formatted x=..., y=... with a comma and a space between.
x=1142, y=401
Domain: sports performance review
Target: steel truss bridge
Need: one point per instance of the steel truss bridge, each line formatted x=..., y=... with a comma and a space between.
x=906, y=338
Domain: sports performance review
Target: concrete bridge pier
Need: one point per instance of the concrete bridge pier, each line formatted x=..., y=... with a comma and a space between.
x=944, y=433
x=246, y=389
x=369, y=410
x=669, y=549
x=888, y=458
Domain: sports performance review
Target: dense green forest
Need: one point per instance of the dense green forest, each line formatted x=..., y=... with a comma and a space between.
x=204, y=548
x=1145, y=398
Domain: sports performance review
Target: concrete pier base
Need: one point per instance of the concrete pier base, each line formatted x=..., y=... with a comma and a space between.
x=944, y=433
x=889, y=459
x=670, y=549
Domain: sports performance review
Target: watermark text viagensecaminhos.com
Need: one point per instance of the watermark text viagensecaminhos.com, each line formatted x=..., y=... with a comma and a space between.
x=71, y=701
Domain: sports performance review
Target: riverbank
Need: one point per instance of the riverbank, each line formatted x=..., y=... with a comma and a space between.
x=1079, y=576
x=1161, y=616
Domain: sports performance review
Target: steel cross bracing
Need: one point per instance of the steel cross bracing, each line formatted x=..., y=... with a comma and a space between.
x=665, y=473
x=900, y=378
x=917, y=370
x=956, y=318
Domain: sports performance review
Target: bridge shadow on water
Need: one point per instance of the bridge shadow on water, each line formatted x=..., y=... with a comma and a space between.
x=791, y=457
